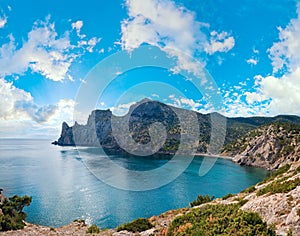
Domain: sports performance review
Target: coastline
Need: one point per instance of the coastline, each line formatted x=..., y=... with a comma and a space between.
x=213, y=156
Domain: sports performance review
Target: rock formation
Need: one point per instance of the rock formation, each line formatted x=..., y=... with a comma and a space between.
x=98, y=130
x=269, y=146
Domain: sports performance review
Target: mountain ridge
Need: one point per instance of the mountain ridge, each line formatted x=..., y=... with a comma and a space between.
x=98, y=130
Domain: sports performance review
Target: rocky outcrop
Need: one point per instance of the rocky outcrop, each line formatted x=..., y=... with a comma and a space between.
x=269, y=146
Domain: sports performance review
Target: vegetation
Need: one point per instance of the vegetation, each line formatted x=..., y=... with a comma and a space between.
x=249, y=190
x=241, y=201
x=93, y=229
x=13, y=215
x=298, y=212
x=289, y=233
x=81, y=221
x=285, y=133
x=219, y=219
x=229, y=195
x=279, y=186
x=277, y=173
x=201, y=200
x=137, y=225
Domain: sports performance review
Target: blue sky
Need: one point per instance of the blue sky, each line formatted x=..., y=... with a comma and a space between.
x=47, y=48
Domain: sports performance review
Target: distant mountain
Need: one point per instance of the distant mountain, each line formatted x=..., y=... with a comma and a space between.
x=98, y=130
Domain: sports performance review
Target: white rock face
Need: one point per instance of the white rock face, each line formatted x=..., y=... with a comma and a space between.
x=280, y=209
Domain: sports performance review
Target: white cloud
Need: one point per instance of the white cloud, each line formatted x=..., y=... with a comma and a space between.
x=172, y=28
x=285, y=53
x=77, y=25
x=92, y=43
x=273, y=94
x=45, y=52
x=9, y=95
x=121, y=109
x=252, y=61
x=19, y=114
x=219, y=42
x=281, y=93
x=154, y=95
x=3, y=21
x=186, y=103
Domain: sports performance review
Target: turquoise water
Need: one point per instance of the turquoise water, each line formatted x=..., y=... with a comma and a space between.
x=63, y=189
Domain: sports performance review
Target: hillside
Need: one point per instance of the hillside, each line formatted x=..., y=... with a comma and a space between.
x=270, y=146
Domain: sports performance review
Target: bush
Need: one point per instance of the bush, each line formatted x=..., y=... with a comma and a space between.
x=249, y=190
x=278, y=172
x=227, y=196
x=137, y=225
x=13, y=215
x=279, y=187
x=93, y=229
x=81, y=221
x=219, y=219
x=201, y=200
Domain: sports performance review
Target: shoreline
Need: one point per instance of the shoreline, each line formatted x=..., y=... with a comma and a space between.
x=213, y=156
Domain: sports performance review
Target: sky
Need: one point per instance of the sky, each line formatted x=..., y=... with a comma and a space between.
x=49, y=49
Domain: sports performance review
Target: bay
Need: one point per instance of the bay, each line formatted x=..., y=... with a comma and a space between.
x=63, y=189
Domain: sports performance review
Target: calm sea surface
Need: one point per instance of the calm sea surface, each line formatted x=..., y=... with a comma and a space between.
x=63, y=189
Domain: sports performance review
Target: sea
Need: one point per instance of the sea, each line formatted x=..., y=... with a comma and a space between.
x=64, y=189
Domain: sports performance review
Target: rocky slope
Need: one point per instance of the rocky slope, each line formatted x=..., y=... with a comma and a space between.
x=269, y=146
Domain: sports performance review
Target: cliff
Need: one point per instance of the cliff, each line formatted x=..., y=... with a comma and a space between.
x=98, y=131
x=269, y=146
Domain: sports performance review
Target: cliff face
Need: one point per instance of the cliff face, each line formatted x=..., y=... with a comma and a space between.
x=269, y=146
x=98, y=131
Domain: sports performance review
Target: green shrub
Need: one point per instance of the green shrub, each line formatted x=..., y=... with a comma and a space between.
x=249, y=190
x=93, y=229
x=81, y=221
x=242, y=201
x=219, y=219
x=13, y=216
x=298, y=212
x=278, y=172
x=279, y=186
x=137, y=225
x=227, y=196
x=201, y=200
